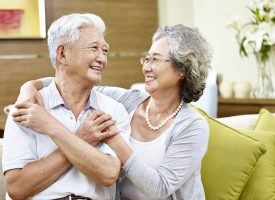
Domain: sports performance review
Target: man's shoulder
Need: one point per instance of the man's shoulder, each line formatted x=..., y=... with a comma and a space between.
x=44, y=92
x=106, y=102
x=104, y=97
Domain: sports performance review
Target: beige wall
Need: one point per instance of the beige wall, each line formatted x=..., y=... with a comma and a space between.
x=175, y=11
x=211, y=16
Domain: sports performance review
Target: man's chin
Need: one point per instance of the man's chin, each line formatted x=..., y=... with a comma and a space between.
x=95, y=80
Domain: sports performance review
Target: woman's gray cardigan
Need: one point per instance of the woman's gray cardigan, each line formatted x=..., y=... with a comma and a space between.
x=178, y=176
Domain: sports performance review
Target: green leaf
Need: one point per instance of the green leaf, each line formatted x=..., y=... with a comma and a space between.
x=242, y=49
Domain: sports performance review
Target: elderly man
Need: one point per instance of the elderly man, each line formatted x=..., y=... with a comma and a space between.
x=54, y=163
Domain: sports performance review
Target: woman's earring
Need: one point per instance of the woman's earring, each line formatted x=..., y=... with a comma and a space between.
x=181, y=76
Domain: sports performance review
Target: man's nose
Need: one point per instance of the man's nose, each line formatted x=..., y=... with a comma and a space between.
x=101, y=56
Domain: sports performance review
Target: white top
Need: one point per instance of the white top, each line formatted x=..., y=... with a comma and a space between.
x=22, y=145
x=152, y=154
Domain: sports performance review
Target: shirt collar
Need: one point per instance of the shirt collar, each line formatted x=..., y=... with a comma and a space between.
x=56, y=100
x=93, y=100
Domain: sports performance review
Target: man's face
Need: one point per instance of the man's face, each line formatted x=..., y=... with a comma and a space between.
x=87, y=58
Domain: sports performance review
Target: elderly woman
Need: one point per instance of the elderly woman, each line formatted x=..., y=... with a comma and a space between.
x=168, y=137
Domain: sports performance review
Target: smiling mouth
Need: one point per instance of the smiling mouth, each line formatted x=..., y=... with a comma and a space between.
x=149, y=78
x=96, y=68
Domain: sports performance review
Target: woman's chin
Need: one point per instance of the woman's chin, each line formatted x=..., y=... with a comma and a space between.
x=149, y=88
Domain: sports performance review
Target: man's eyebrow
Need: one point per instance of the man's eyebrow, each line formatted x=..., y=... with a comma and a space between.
x=106, y=45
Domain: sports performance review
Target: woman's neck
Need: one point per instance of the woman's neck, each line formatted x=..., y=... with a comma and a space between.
x=164, y=104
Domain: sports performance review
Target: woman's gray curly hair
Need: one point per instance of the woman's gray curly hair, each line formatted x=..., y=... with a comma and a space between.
x=191, y=54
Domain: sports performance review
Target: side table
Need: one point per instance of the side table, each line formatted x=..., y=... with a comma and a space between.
x=232, y=106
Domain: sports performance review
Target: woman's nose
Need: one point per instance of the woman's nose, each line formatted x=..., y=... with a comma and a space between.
x=146, y=67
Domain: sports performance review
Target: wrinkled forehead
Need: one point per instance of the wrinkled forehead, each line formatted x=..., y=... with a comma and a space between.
x=92, y=35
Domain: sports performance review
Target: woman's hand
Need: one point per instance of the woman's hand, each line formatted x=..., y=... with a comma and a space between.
x=119, y=145
x=96, y=127
x=29, y=93
x=100, y=127
x=34, y=116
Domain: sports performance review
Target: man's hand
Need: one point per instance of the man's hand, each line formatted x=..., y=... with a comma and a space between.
x=96, y=127
x=35, y=117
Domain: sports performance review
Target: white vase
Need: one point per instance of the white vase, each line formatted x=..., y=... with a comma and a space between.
x=265, y=87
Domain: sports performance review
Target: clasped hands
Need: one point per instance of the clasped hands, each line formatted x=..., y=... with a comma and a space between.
x=98, y=126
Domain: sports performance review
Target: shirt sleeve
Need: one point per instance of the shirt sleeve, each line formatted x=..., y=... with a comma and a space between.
x=19, y=146
x=183, y=157
x=123, y=122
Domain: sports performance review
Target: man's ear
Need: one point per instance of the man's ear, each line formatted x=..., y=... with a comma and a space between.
x=61, y=55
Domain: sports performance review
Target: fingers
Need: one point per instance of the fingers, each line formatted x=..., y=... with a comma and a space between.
x=106, y=125
x=20, y=119
x=103, y=120
x=19, y=112
x=39, y=100
x=97, y=127
x=94, y=114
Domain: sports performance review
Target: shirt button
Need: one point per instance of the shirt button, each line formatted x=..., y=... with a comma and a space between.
x=71, y=118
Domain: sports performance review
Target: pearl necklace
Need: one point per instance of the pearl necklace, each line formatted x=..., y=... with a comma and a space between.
x=164, y=121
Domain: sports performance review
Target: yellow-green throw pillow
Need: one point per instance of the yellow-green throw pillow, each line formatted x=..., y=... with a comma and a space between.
x=230, y=160
x=261, y=184
x=266, y=121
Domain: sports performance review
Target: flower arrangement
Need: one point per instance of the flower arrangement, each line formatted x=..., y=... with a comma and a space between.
x=257, y=36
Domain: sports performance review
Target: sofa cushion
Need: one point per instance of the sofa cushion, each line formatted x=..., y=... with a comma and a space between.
x=240, y=121
x=266, y=121
x=229, y=162
x=261, y=184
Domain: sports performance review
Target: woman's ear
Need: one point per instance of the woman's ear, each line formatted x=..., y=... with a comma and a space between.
x=61, y=55
x=182, y=74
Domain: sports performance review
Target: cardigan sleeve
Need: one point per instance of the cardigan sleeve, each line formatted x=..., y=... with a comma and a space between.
x=46, y=81
x=183, y=157
x=129, y=98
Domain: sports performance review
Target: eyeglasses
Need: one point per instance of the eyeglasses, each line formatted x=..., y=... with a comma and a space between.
x=152, y=60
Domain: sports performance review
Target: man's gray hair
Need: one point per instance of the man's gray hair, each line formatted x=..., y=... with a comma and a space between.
x=190, y=53
x=66, y=30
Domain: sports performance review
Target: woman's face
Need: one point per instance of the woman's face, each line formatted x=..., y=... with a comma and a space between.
x=159, y=71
